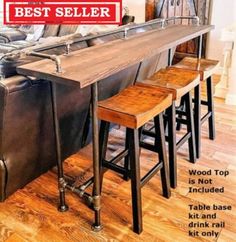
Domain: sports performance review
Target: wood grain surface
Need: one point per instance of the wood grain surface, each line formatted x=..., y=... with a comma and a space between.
x=134, y=106
x=90, y=65
x=204, y=67
x=176, y=81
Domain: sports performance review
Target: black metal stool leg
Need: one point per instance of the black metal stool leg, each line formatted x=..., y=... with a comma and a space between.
x=210, y=105
x=135, y=180
x=126, y=159
x=61, y=181
x=160, y=144
x=197, y=119
x=179, y=125
x=190, y=128
x=172, y=145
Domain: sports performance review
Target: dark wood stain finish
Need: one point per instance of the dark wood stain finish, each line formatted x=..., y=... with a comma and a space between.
x=90, y=65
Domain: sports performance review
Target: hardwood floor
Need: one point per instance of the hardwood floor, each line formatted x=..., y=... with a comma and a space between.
x=31, y=215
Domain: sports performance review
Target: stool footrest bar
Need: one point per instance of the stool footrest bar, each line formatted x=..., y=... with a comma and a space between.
x=181, y=112
x=205, y=117
x=151, y=173
x=182, y=121
x=148, y=146
x=183, y=140
x=204, y=103
x=149, y=133
x=114, y=167
x=119, y=157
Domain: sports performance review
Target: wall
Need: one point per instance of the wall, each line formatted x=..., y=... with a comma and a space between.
x=222, y=15
x=1, y=12
x=137, y=9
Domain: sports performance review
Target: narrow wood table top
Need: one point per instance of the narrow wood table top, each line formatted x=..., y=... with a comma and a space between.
x=86, y=66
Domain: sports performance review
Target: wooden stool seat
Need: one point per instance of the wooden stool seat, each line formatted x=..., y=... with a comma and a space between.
x=180, y=83
x=134, y=106
x=204, y=67
x=177, y=81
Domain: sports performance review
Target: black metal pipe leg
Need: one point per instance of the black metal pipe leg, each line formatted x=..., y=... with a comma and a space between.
x=172, y=145
x=135, y=180
x=190, y=128
x=96, y=164
x=103, y=140
x=197, y=119
x=61, y=181
x=210, y=100
x=161, y=146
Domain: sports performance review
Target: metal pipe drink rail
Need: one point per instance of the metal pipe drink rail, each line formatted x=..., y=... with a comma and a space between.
x=163, y=22
x=54, y=58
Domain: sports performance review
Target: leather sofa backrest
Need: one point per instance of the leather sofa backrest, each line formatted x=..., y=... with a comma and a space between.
x=149, y=65
x=101, y=40
x=51, y=30
x=60, y=50
x=67, y=29
x=117, y=82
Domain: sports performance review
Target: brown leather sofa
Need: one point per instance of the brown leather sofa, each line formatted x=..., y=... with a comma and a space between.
x=27, y=143
x=27, y=147
x=8, y=35
x=11, y=34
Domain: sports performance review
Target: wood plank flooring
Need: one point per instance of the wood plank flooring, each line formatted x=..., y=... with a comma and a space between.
x=31, y=215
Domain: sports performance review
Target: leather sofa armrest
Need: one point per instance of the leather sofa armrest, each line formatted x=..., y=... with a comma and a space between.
x=11, y=35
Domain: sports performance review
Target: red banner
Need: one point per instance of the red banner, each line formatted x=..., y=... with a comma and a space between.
x=61, y=12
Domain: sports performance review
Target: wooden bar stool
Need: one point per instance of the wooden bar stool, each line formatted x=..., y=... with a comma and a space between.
x=206, y=68
x=180, y=83
x=132, y=108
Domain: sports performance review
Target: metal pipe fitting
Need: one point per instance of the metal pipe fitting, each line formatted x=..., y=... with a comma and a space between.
x=163, y=23
x=126, y=33
x=68, y=44
x=54, y=58
x=197, y=20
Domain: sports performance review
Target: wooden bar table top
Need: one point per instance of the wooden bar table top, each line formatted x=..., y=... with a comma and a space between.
x=87, y=66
